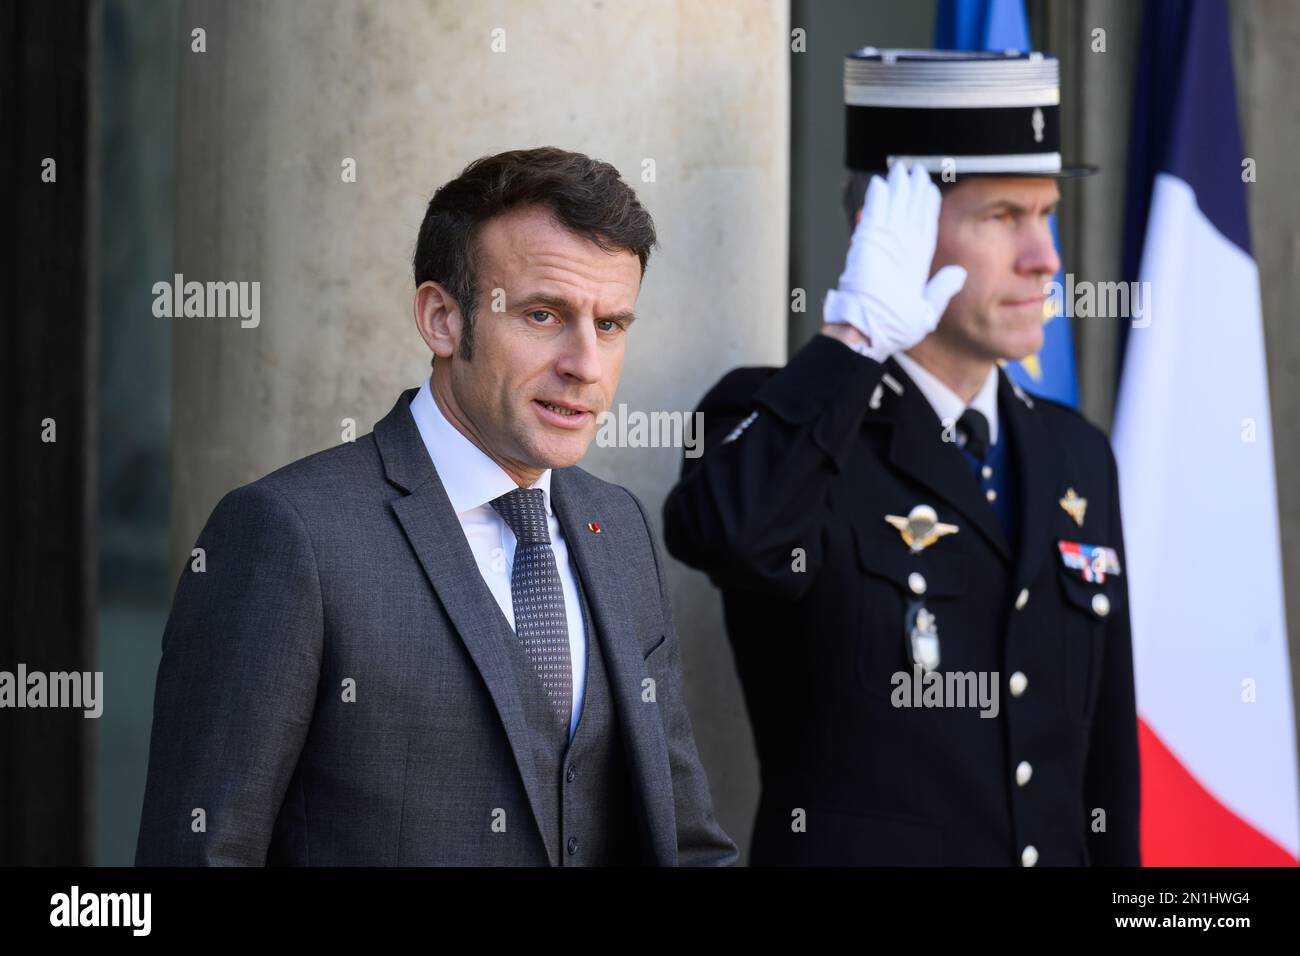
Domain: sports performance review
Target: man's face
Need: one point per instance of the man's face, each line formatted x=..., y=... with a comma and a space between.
x=553, y=335
x=999, y=230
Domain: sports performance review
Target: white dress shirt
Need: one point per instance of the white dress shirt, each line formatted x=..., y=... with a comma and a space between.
x=472, y=480
x=946, y=403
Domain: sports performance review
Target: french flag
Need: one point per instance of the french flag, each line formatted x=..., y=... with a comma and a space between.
x=1193, y=438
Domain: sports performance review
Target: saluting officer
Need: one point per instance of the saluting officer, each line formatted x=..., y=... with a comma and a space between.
x=922, y=566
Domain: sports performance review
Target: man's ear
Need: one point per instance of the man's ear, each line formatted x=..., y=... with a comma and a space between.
x=437, y=316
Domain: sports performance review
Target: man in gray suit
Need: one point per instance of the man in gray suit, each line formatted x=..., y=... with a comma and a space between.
x=444, y=643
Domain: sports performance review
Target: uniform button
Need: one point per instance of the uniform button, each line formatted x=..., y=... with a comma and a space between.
x=573, y=846
x=1018, y=682
x=991, y=495
x=1028, y=856
x=916, y=581
x=1100, y=605
x=986, y=471
x=1022, y=599
x=1023, y=772
x=573, y=772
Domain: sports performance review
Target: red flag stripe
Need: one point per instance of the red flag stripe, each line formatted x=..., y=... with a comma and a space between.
x=1184, y=825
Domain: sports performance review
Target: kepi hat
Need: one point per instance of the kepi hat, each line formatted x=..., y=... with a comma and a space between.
x=971, y=113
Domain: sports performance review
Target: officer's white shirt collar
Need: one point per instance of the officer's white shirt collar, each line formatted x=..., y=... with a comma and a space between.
x=946, y=403
x=470, y=477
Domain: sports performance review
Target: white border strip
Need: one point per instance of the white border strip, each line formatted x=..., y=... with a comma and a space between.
x=969, y=165
x=950, y=97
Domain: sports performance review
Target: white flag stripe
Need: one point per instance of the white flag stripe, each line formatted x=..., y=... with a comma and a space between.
x=1200, y=519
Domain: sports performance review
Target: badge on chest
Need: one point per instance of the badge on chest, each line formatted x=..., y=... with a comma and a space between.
x=922, y=636
x=1092, y=561
x=919, y=530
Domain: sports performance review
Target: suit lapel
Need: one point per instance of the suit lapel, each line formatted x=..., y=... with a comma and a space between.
x=918, y=450
x=1038, y=459
x=597, y=560
x=439, y=542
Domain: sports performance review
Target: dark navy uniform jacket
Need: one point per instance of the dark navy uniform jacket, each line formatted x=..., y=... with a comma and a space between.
x=785, y=511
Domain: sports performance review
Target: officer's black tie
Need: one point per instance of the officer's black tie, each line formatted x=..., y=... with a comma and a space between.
x=974, y=428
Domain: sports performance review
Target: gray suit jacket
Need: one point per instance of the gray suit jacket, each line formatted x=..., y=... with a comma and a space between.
x=347, y=574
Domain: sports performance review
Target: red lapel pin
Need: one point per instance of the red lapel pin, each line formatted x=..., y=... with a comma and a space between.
x=593, y=527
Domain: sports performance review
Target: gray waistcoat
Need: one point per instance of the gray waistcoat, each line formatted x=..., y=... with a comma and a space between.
x=588, y=806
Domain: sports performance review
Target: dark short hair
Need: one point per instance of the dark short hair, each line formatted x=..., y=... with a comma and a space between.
x=584, y=195
x=854, y=192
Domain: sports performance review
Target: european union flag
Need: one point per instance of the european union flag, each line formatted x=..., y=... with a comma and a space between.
x=1002, y=25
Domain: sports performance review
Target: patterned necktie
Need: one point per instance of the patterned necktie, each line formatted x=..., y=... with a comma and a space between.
x=541, y=623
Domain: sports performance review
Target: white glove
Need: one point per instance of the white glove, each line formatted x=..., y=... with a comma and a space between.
x=883, y=292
